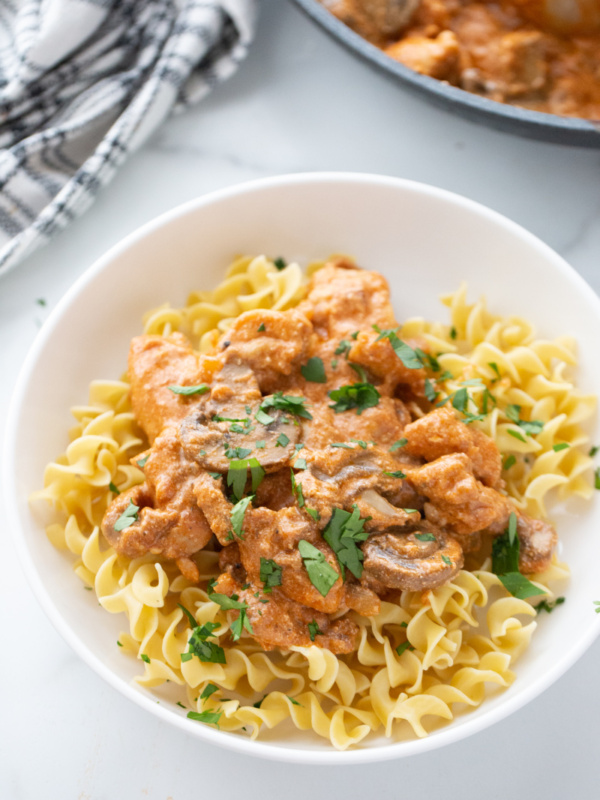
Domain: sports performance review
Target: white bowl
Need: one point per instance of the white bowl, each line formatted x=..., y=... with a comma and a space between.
x=425, y=241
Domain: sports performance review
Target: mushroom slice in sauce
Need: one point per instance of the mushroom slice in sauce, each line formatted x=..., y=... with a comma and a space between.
x=404, y=561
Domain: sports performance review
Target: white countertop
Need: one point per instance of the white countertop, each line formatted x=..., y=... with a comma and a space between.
x=299, y=103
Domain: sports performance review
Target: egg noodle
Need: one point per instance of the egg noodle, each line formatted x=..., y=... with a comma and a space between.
x=430, y=656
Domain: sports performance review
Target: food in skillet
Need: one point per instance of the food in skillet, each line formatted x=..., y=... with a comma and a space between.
x=315, y=511
x=538, y=54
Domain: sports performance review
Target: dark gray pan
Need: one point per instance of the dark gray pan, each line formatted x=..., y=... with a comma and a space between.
x=532, y=124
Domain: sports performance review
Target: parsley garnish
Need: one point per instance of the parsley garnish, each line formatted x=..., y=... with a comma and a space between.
x=209, y=689
x=294, y=702
x=215, y=475
x=404, y=646
x=532, y=427
x=322, y=575
x=342, y=533
x=280, y=263
x=405, y=353
x=128, y=517
x=145, y=658
x=341, y=444
x=237, y=515
x=445, y=559
x=453, y=333
x=397, y=474
x=290, y=403
x=282, y=440
x=549, y=605
x=597, y=478
x=270, y=573
x=397, y=445
x=261, y=327
x=201, y=388
x=597, y=604
x=593, y=451
x=297, y=491
x=494, y=366
x=207, y=652
x=260, y=445
x=505, y=563
x=560, y=446
x=228, y=603
x=314, y=371
x=41, y=301
x=300, y=463
x=210, y=717
x=360, y=443
x=430, y=392
x=237, y=475
x=119, y=643
x=143, y=461
x=114, y=489
x=313, y=513
x=509, y=461
x=343, y=348
x=334, y=363
x=180, y=705
x=354, y=335
x=516, y=435
x=356, y=395
x=237, y=452
x=314, y=630
x=425, y=537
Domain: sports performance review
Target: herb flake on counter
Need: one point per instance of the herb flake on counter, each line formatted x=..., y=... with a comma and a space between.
x=314, y=370
x=41, y=301
x=320, y=572
x=314, y=630
x=342, y=533
x=505, y=563
x=270, y=573
x=210, y=717
x=201, y=388
x=356, y=395
x=128, y=517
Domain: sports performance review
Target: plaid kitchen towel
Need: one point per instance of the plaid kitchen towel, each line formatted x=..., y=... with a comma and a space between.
x=83, y=83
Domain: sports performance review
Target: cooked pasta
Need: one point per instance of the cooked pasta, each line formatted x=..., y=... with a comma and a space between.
x=420, y=660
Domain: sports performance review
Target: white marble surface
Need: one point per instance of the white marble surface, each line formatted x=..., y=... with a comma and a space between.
x=299, y=103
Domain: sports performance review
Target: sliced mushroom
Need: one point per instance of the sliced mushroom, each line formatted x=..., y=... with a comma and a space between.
x=227, y=428
x=403, y=561
x=383, y=515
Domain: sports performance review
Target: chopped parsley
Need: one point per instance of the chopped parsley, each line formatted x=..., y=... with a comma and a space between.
x=237, y=475
x=425, y=537
x=405, y=353
x=210, y=717
x=343, y=348
x=597, y=478
x=360, y=443
x=360, y=371
x=215, y=475
x=237, y=515
x=143, y=461
x=430, y=393
x=294, y=702
x=597, y=604
x=229, y=603
x=397, y=445
x=314, y=630
x=114, y=489
x=180, y=705
x=282, y=440
x=261, y=327
x=494, y=366
x=334, y=363
x=314, y=370
x=593, y=450
x=531, y=427
x=516, y=435
x=246, y=427
x=280, y=263
x=260, y=445
x=354, y=335
x=560, y=446
x=445, y=559
x=509, y=462
x=270, y=574
x=290, y=403
x=128, y=517
x=237, y=452
x=300, y=463
x=356, y=395
x=343, y=445
x=120, y=644
x=342, y=533
x=207, y=652
x=145, y=658
x=313, y=513
x=549, y=605
x=320, y=572
x=397, y=474
x=460, y=400
x=453, y=333
x=41, y=301
x=403, y=647
x=505, y=563
x=209, y=689
x=201, y=388
x=297, y=491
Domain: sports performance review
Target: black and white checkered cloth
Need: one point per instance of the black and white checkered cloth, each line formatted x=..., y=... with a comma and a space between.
x=83, y=83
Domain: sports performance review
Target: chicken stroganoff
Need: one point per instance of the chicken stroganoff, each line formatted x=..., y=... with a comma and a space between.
x=313, y=505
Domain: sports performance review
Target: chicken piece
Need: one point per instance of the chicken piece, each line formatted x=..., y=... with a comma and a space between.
x=439, y=57
x=282, y=623
x=566, y=17
x=272, y=343
x=513, y=64
x=168, y=521
x=155, y=363
x=441, y=433
x=457, y=501
x=275, y=491
x=375, y=20
x=537, y=541
x=405, y=561
x=227, y=424
x=208, y=494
